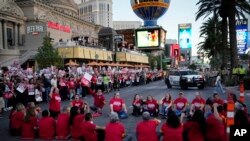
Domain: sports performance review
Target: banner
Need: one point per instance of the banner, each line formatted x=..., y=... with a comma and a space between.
x=242, y=35
x=185, y=35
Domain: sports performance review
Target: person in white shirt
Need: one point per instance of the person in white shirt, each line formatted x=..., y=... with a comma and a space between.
x=54, y=81
x=218, y=86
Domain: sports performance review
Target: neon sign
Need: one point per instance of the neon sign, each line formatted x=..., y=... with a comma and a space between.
x=59, y=27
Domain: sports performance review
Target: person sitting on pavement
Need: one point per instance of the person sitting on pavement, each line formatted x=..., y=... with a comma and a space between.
x=99, y=102
x=16, y=119
x=172, y=130
x=114, y=130
x=198, y=103
x=80, y=104
x=180, y=104
x=47, y=126
x=30, y=125
x=146, y=129
x=89, y=129
x=137, y=105
x=62, y=124
x=152, y=106
x=215, y=128
x=166, y=105
x=118, y=105
x=195, y=128
x=217, y=99
x=75, y=120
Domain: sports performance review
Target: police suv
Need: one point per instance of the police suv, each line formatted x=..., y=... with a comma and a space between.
x=184, y=79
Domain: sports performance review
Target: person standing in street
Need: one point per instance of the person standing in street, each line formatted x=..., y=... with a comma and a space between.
x=218, y=85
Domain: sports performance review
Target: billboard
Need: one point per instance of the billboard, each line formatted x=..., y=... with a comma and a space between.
x=242, y=35
x=150, y=38
x=184, y=35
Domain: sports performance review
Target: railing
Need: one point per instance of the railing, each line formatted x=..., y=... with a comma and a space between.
x=20, y=59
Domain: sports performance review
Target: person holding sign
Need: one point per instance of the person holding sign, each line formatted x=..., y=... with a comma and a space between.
x=55, y=102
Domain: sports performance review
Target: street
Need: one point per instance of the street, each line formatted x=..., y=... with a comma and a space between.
x=156, y=89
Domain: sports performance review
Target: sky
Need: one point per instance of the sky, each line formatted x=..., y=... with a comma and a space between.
x=180, y=11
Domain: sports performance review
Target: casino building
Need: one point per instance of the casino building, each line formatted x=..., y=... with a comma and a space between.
x=24, y=23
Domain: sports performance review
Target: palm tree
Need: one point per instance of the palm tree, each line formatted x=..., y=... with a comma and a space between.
x=208, y=8
x=227, y=9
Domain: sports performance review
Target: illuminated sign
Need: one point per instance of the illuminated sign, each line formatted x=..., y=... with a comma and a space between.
x=242, y=35
x=150, y=38
x=59, y=27
x=35, y=29
x=185, y=35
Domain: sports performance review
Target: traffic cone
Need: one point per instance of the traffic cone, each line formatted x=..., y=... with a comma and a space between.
x=230, y=116
x=242, y=92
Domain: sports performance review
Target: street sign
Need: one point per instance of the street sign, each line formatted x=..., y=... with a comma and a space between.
x=118, y=38
x=167, y=60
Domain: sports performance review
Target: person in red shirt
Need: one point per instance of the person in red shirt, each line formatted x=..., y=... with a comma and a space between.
x=89, y=129
x=30, y=125
x=99, y=102
x=152, y=106
x=72, y=86
x=217, y=99
x=198, y=103
x=62, y=124
x=80, y=104
x=137, y=105
x=172, y=130
x=166, y=105
x=117, y=105
x=55, y=102
x=180, y=104
x=16, y=120
x=47, y=126
x=215, y=129
x=195, y=128
x=114, y=131
x=75, y=122
x=146, y=129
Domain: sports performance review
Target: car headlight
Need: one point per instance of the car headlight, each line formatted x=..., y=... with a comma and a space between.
x=189, y=79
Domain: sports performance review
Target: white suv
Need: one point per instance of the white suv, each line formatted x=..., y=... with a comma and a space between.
x=184, y=79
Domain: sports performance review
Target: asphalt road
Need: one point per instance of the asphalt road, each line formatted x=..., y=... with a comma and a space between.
x=156, y=89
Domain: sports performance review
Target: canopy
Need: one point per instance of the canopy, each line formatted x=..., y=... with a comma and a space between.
x=71, y=63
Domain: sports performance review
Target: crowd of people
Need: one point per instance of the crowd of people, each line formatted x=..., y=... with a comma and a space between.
x=196, y=120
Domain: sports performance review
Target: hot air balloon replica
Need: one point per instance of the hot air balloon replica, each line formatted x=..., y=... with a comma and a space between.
x=150, y=10
x=150, y=36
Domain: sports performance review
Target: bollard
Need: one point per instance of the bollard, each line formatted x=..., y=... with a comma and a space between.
x=230, y=115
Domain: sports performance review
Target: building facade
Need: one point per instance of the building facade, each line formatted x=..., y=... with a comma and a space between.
x=99, y=12
x=24, y=23
x=120, y=25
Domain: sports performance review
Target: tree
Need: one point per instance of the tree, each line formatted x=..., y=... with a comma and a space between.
x=47, y=55
x=228, y=10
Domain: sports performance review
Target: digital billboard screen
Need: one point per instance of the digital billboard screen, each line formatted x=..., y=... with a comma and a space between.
x=185, y=35
x=150, y=38
x=242, y=35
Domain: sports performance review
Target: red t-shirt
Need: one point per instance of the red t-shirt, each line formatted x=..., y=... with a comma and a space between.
x=76, y=127
x=55, y=102
x=117, y=104
x=137, y=103
x=171, y=134
x=165, y=102
x=194, y=132
x=47, y=126
x=146, y=130
x=77, y=103
x=28, y=128
x=99, y=100
x=198, y=102
x=17, y=120
x=180, y=103
x=88, y=131
x=114, y=131
x=215, y=130
x=152, y=105
x=219, y=101
x=62, y=126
